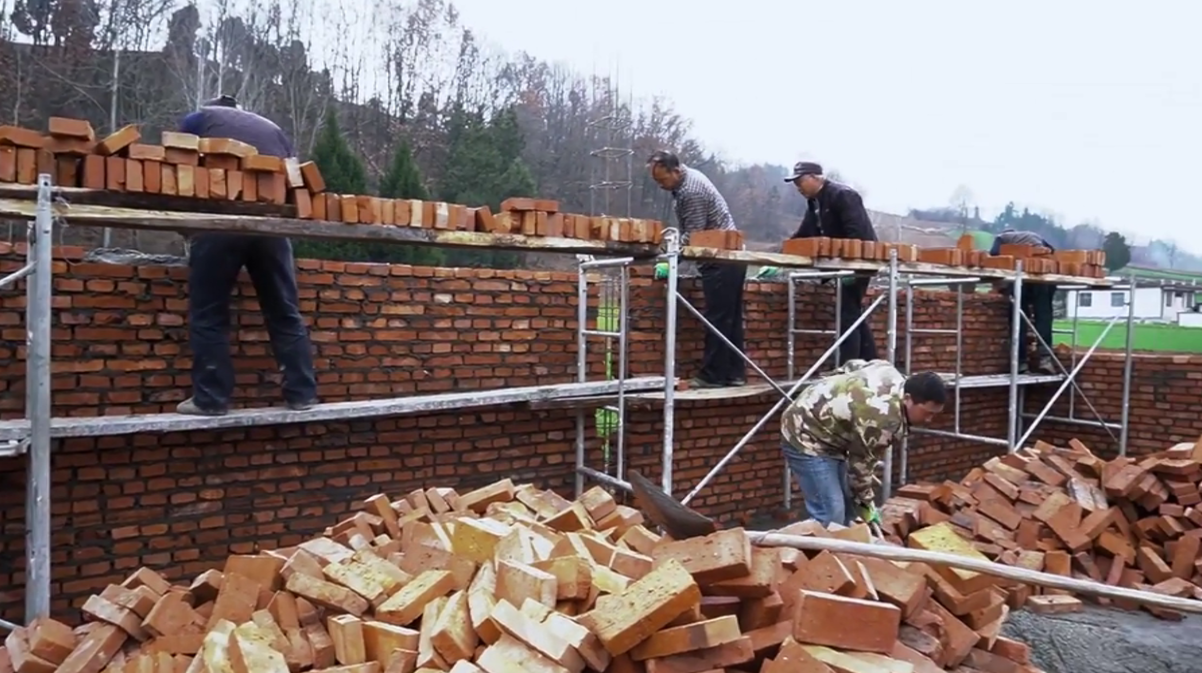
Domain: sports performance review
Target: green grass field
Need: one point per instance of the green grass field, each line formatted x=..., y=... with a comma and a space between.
x=1148, y=336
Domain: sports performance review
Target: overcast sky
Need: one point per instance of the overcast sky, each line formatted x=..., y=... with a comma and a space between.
x=1088, y=109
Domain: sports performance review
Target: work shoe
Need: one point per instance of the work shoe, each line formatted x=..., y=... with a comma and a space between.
x=1046, y=366
x=190, y=408
x=302, y=406
x=698, y=382
x=736, y=382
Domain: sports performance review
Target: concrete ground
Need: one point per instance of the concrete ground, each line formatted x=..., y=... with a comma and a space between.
x=1101, y=640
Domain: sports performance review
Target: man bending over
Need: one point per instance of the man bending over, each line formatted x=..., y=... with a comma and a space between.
x=839, y=427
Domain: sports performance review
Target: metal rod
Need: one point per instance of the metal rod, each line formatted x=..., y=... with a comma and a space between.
x=8, y=626
x=37, y=494
x=791, y=339
x=935, y=331
x=581, y=368
x=959, y=357
x=1128, y=366
x=812, y=275
x=909, y=345
x=607, y=479
x=672, y=243
x=17, y=275
x=909, y=353
x=751, y=363
x=1016, y=326
x=917, y=282
x=1078, y=421
x=1072, y=353
x=602, y=333
x=839, y=318
x=891, y=350
x=1071, y=375
x=962, y=435
x=1017, y=574
x=1045, y=346
x=815, y=332
x=779, y=404
x=623, y=346
x=891, y=339
x=603, y=263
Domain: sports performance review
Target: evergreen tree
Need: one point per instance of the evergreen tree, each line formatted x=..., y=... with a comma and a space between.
x=341, y=168
x=484, y=168
x=1118, y=251
x=404, y=181
x=344, y=174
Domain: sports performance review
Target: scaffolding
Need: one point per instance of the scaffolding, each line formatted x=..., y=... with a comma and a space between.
x=44, y=206
x=899, y=277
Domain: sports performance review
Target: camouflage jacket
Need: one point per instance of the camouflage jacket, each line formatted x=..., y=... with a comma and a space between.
x=853, y=413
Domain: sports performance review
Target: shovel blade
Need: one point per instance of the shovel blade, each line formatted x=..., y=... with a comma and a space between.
x=663, y=510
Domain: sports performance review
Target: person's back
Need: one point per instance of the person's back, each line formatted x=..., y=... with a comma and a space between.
x=214, y=261
x=832, y=413
x=220, y=121
x=1018, y=237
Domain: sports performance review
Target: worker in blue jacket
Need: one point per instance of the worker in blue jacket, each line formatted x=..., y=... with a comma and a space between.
x=214, y=262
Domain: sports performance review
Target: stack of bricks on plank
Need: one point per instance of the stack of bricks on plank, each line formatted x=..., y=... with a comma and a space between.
x=1133, y=523
x=508, y=579
x=221, y=169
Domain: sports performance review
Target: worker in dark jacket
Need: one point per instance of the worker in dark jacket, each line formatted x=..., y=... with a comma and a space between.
x=214, y=261
x=837, y=211
x=1036, y=301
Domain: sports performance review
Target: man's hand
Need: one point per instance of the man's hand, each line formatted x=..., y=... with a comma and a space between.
x=661, y=271
x=768, y=272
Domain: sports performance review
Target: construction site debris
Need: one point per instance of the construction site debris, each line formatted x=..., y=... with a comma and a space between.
x=513, y=578
x=1127, y=522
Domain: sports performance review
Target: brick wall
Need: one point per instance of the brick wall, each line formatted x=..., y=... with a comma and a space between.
x=181, y=502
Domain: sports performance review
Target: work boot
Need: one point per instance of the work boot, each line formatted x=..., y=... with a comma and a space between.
x=736, y=382
x=698, y=382
x=190, y=408
x=302, y=406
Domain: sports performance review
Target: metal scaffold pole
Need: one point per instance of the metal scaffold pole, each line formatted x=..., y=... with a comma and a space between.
x=1016, y=327
x=37, y=407
x=672, y=253
x=891, y=354
x=1128, y=364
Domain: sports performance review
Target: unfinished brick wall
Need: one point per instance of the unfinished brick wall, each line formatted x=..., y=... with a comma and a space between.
x=1164, y=403
x=181, y=502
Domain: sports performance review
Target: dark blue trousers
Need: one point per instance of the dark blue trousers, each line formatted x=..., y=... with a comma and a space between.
x=214, y=263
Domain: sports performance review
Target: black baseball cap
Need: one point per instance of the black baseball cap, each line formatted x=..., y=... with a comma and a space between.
x=802, y=168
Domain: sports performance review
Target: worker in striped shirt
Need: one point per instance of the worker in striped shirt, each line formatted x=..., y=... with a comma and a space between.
x=700, y=206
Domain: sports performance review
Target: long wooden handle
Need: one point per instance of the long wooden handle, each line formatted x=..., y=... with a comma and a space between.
x=892, y=553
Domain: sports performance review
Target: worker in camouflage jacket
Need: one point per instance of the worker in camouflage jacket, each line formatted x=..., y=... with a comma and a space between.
x=838, y=428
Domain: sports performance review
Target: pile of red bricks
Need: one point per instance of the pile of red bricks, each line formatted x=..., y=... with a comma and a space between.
x=1133, y=523
x=512, y=578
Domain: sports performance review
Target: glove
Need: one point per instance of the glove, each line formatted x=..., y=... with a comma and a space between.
x=870, y=515
x=768, y=272
x=661, y=271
